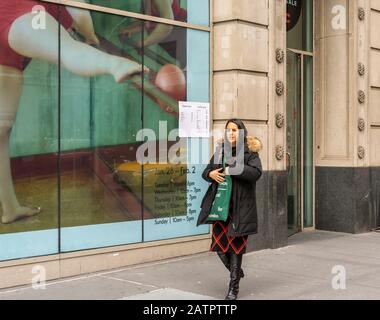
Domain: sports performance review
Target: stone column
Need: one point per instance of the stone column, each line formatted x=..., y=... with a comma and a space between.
x=246, y=36
x=343, y=192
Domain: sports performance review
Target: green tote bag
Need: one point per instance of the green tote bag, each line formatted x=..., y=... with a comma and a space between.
x=221, y=204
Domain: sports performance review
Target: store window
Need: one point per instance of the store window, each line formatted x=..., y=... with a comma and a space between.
x=191, y=11
x=76, y=114
x=299, y=25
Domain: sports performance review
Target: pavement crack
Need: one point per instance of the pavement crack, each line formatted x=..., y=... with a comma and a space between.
x=130, y=281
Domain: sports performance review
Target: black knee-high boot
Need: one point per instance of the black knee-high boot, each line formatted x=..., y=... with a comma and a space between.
x=225, y=258
x=235, y=266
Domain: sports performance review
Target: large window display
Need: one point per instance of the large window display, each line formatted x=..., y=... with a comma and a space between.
x=80, y=99
x=191, y=11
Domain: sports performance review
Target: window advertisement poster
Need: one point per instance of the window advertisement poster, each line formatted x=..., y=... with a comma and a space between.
x=74, y=118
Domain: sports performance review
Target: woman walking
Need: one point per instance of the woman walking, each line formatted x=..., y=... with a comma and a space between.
x=243, y=165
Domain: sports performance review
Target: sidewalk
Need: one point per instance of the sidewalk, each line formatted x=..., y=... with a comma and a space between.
x=302, y=270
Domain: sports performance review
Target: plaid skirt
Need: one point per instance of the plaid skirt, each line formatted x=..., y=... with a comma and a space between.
x=222, y=242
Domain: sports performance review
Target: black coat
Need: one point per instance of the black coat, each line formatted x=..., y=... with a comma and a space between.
x=244, y=215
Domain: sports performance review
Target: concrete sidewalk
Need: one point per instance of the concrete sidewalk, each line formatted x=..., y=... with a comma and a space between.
x=302, y=270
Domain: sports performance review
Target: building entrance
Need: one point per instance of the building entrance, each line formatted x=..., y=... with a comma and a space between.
x=299, y=116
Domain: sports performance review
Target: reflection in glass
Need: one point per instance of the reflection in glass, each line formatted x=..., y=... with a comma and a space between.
x=79, y=122
x=31, y=94
x=308, y=142
x=293, y=141
x=165, y=193
x=28, y=130
x=300, y=25
x=169, y=9
x=100, y=117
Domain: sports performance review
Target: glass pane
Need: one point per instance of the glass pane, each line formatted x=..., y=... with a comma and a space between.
x=101, y=105
x=170, y=207
x=28, y=131
x=136, y=6
x=198, y=12
x=300, y=24
x=293, y=141
x=308, y=142
x=192, y=11
x=198, y=154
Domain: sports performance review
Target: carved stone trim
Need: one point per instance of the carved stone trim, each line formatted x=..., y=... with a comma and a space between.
x=279, y=153
x=280, y=88
x=361, y=69
x=361, y=124
x=280, y=120
x=361, y=96
x=280, y=56
x=361, y=152
x=361, y=13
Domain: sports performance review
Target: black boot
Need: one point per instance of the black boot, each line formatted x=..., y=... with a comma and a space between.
x=225, y=257
x=235, y=265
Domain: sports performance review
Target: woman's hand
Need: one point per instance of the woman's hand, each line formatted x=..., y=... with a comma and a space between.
x=217, y=176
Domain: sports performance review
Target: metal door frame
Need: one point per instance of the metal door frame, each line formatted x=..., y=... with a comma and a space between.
x=302, y=55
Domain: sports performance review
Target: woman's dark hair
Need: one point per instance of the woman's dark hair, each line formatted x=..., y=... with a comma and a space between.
x=240, y=125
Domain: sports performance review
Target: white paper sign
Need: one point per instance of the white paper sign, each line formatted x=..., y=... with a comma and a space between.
x=194, y=118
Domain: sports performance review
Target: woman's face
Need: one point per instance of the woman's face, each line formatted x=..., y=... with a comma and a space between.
x=232, y=133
